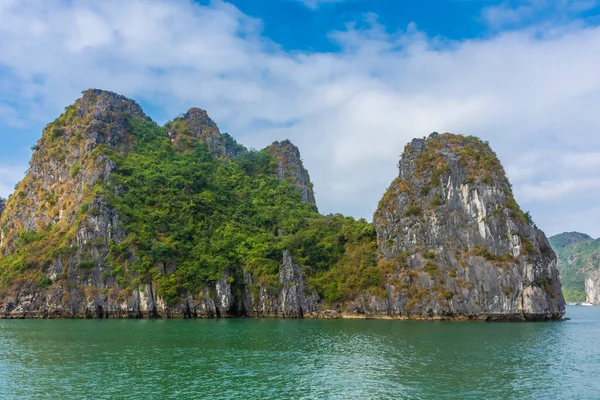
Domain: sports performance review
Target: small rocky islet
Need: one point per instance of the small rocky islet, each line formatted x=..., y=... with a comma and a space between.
x=118, y=217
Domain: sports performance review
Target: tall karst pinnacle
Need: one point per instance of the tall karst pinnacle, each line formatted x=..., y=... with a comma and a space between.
x=457, y=243
x=290, y=166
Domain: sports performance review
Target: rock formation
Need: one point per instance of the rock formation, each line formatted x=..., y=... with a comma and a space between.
x=289, y=166
x=2, y=205
x=195, y=126
x=592, y=288
x=60, y=210
x=456, y=243
x=120, y=218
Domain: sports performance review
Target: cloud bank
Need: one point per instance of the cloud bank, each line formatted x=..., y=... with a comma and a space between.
x=533, y=93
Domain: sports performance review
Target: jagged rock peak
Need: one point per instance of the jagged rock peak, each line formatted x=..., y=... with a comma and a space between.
x=98, y=117
x=198, y=119
x=69, y=160
x=290, y=166
x=195, y=126
x=456, y=241
x=99, y=101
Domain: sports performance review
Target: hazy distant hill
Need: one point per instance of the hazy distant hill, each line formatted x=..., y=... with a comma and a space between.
x=578, y=257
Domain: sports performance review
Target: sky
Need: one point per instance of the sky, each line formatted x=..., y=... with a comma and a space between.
x=350, y=82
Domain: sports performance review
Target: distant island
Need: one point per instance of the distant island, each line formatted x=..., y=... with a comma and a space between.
x=118, y=217
x=579, y=266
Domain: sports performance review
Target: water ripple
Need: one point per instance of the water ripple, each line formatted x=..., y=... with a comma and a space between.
x=288, y=359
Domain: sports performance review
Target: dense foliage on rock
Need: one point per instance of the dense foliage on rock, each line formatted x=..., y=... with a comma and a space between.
x=579, y=265
x=113, y=203
x=457, y=243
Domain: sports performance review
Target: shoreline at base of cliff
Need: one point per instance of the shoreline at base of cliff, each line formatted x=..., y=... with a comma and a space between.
x=323, y=315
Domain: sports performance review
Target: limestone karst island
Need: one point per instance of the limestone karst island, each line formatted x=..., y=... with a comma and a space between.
x=118, y=217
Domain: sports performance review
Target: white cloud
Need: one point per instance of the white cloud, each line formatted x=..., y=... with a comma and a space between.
x=555, y=189
x=533, y=96
x=514, y=12
x=314, y=4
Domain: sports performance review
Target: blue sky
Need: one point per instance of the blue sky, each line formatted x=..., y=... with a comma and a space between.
x=348, y=81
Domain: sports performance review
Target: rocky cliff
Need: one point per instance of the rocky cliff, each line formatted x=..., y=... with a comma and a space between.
x=72, y=245
x=289, y=166
x=2, y=205
x=579, y=265
x=592, y=288
x=194, y=127
x=456, y=243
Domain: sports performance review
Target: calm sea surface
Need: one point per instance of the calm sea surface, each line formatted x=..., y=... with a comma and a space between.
x=291, y=359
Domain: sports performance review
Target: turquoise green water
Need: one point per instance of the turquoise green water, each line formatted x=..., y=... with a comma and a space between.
x=290, y=359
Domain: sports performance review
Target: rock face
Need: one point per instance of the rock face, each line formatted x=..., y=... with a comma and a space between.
x=2, y=205
x=579, y=265
x=195, y=126
x=592, y=288
x=66, y=174
x=64, y=171
x=455, y=241
x=290, y=166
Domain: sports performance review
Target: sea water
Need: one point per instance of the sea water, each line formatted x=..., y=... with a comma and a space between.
x=301, y=359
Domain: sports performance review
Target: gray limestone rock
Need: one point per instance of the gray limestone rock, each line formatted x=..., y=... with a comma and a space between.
x=456, y=243
x=195, y=126
x=592, y=287
x=290, y=166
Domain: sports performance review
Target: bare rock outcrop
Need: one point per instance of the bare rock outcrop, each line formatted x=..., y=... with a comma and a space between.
x=455, y=241
x=290, y=166
x=195, y=126
x=592, y=287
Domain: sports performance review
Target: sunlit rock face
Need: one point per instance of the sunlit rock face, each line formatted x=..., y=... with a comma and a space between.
x=457, y=244
x=592, y=288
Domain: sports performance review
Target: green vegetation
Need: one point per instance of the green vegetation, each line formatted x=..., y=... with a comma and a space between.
x=189, y=217
x=527, y=247
x=199, y=216
x=74, y=170
x=413, y=211
x=482, y=252
x=578, y=254
x=431, y=268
